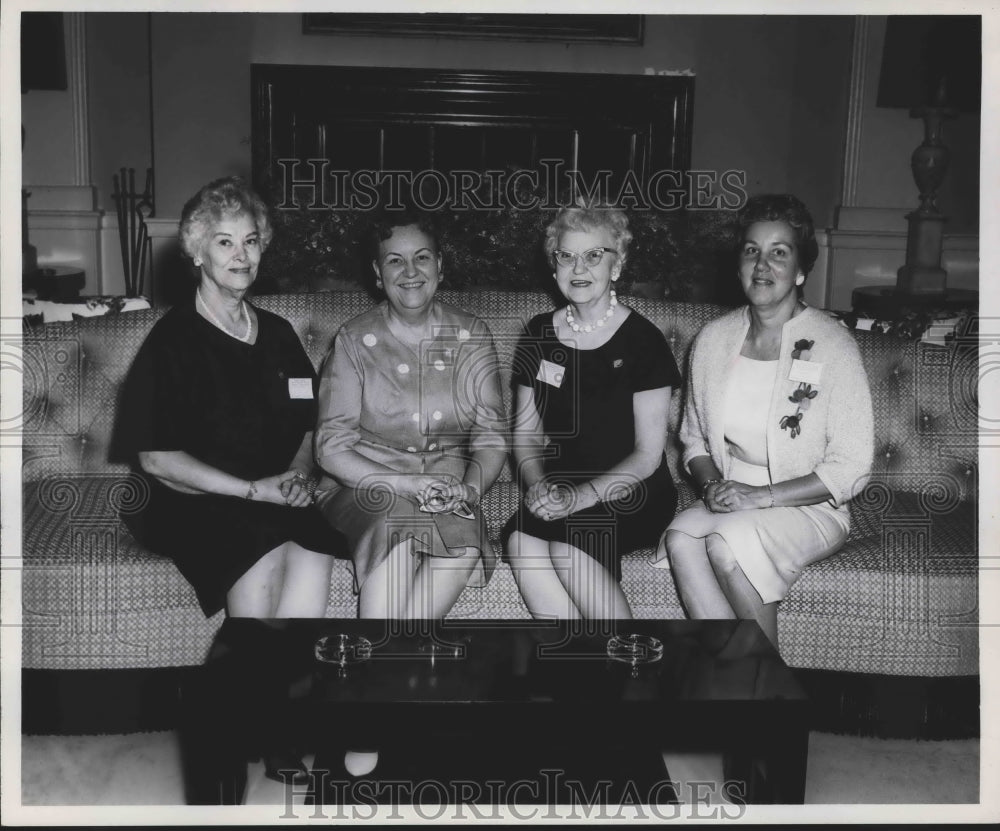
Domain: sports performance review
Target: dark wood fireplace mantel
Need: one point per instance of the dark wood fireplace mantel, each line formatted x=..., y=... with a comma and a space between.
x=379, y=119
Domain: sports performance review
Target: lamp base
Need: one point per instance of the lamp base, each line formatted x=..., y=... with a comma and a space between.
x=921, y=280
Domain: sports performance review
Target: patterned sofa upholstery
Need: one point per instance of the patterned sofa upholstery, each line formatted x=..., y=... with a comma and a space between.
x=901, y=598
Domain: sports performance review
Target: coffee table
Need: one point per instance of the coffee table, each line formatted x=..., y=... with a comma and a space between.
x=485, y=700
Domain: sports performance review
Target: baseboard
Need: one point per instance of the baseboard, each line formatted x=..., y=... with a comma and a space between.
x=81, y=702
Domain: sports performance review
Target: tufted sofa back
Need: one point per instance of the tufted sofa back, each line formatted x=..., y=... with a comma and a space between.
x=925, y=396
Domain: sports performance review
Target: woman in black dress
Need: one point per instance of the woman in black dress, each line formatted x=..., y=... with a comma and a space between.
x=593, y=383
x=218, y=412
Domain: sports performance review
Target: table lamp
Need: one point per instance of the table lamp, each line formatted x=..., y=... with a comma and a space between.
x=932, y=66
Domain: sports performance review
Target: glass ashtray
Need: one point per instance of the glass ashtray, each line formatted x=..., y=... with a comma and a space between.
x=635, y=649
x=343, y=650
x=441, y=650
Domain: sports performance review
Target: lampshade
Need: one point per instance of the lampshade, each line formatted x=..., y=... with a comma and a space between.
x=43, y=52
x=932, y=59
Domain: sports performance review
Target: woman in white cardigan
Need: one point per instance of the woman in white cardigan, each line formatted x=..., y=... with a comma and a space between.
x=777, y=431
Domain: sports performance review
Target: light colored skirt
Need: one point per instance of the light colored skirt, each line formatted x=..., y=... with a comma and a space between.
x=763, y=538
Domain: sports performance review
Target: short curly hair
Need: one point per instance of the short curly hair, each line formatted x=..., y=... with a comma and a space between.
x=781, y=207
x=385, y=223
x=582, y=217
x=227, y=197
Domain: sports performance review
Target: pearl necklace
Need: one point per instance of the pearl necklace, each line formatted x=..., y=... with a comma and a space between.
x=243, y=313
x=589, y=327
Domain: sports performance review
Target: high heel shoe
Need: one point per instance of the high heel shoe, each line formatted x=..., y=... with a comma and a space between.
x=359, y=763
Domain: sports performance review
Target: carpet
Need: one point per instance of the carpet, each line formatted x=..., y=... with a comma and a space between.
x=847, y=769
x=144, y=769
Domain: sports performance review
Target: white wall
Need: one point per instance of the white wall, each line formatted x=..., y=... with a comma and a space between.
x=118, y=71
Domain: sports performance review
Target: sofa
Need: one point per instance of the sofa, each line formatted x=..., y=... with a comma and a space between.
x=899, y=599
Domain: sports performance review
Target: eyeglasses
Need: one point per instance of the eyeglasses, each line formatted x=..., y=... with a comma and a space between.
x=590, y=258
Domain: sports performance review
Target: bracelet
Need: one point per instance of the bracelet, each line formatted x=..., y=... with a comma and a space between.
x=251, y=491
x=590, y=484
x=311, y=484
x=771, y=494
x=706, y=483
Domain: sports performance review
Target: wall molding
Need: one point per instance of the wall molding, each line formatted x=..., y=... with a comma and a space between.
x=76, y=49
x=69, y=238
x=865, y=258
x=64, y=220
x=158, y=228
x=855, y=111
x=60, y=197
x=881, y=240
x=890, y=219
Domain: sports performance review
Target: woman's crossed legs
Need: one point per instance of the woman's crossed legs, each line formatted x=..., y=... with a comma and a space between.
x=288, y=581
x=712, y=584
x=406, y=585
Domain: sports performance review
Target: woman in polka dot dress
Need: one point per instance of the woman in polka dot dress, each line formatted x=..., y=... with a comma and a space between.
x=410, y=434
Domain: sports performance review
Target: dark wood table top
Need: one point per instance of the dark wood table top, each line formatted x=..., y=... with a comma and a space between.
x=486, y=701
x=501, y=661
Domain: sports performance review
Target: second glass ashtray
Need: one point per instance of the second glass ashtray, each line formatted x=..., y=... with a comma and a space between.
x=635, y=649
x=343, y=650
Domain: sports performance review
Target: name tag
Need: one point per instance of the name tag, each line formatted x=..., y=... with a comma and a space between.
x=440, y=356
x=806, y=372
x=300, y=388
x=550, y=373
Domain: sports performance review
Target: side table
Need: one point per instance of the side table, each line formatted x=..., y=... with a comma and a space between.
x=887, y=303
x=60, y=284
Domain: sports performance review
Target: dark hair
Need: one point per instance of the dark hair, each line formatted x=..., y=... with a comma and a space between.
x=384, y=224
x=226, y=197
x=782, y=207
x=382, y=228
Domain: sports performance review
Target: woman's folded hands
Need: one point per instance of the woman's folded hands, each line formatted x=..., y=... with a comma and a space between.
x=727, y=496
x=293, y=487
x=447, y=496
x=549, y=501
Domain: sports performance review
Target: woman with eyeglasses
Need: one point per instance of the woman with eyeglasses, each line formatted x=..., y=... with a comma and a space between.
x=593, y=381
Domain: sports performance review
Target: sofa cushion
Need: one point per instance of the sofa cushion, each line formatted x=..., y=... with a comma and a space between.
x=902, y=600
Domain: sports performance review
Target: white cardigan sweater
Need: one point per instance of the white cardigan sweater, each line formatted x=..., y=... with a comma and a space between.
x=836, y=440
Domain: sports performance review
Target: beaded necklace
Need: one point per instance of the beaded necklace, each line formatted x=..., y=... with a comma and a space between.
x=589, y=327
x=243, y=313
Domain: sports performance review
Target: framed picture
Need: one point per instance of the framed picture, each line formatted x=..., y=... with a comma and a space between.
x=595, y=28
